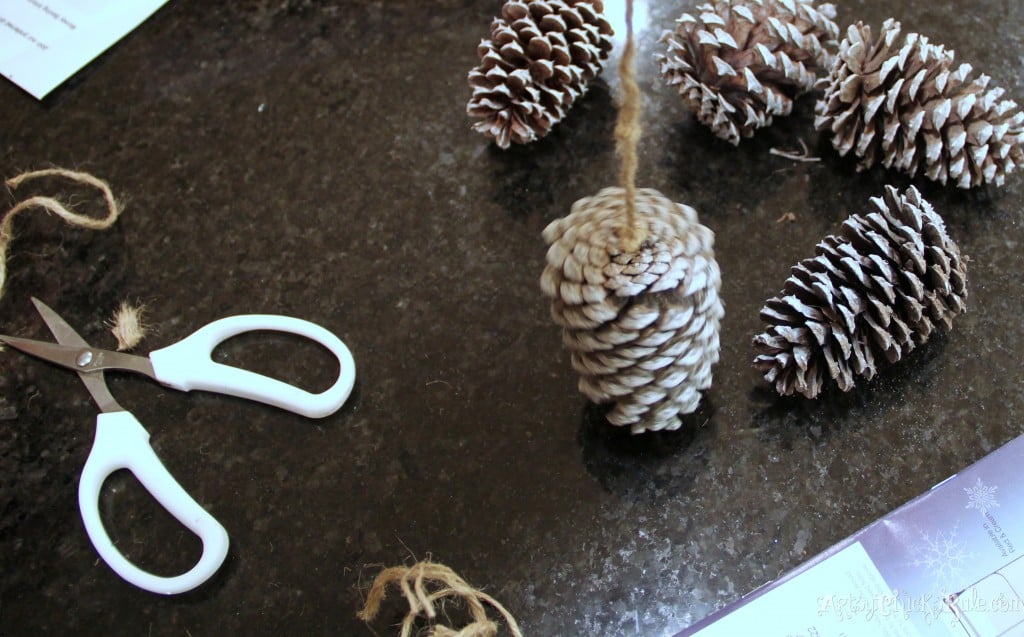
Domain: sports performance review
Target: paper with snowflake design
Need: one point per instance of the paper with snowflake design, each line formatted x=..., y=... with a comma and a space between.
x=948, y=563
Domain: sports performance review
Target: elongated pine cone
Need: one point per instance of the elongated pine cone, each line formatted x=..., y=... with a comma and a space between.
x=541, y=57
x=742, y=62
x=869, y=296
x=909, y=109
x=642, y=326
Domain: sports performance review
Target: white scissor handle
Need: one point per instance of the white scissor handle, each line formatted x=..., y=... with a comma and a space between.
x=186, y=365
x=122, y=443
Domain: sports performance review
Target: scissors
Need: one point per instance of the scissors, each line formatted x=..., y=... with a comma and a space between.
x=122, y=443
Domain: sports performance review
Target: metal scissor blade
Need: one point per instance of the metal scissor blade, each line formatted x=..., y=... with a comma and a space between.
x=66, y=335
x=73, y=352
x=63, y=355
x=80, y=358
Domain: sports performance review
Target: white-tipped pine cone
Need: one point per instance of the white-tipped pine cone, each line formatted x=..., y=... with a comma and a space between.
x=541, y=57
x=642, y=326
x=908, y=108
x=870, y=295
x=739, y=63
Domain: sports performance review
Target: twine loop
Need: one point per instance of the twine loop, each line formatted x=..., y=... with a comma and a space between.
x=415, y=583
x=54, y=206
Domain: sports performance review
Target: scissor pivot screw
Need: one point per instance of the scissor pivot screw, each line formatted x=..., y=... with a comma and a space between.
x=84, y=358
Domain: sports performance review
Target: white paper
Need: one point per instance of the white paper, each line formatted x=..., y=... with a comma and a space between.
x=44, y=42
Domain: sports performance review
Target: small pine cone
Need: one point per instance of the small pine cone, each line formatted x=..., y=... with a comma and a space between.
x=642, y=326
x=541, y=57
x=870, y=295
x=909, y=109
x=741, y=62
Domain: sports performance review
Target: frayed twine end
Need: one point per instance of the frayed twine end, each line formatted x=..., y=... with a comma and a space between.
x=127, y=326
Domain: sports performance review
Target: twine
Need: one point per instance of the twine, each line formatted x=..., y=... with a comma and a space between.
x=56, y=207
x=128, y=325
x=627, y=136
x=414, y=580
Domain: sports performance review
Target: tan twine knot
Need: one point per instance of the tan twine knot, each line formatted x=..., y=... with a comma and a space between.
x=54, y=206
x=425, y=583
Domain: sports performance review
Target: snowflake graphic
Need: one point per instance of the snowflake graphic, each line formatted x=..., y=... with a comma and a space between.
x=981, y=497
x=942, y=556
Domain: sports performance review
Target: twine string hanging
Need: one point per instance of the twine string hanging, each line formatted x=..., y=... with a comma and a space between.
x=634, y=284
x=627, y=136
x=54, y=206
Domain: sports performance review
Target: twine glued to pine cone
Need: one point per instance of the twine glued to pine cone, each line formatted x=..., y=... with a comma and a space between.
x=633, y=282
x=540, y=59
x=54, y=206
x=426, y=585
x=739, y=63
x=906, y=106
x=871, y=294
x=642, y=326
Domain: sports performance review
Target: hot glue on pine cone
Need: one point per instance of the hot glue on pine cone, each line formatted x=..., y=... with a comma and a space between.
x=868, y=297
x=642, y=324
x=907, y=107
x=540, y=59
x=739, y=63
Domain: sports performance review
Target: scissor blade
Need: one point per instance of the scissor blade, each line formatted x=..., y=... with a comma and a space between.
x=67, y=336
x=73, y=352
x=81, y=358
x=63, y=355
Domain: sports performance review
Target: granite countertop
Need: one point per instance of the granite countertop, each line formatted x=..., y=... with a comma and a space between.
x=314, y=159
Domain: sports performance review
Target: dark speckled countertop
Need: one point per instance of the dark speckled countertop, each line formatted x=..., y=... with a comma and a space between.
x=314, y=159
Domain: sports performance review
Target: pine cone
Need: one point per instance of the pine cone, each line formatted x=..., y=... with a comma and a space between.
x=541, y=57
x=909, y=109
x=869, y=296
x=642, y=326
x=741, y=62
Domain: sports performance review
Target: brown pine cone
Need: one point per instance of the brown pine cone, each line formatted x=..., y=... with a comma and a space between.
x=642, y=326
x=741, y=62
x=541, y=57
x=908, y=108
x=870, y=295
